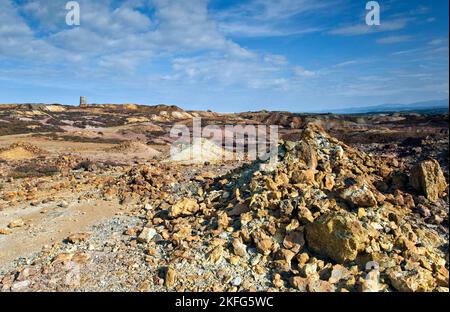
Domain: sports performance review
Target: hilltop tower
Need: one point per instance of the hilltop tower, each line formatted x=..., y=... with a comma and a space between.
x=83, y=101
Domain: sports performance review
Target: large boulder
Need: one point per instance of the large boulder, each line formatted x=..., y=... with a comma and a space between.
x=337, y=235
x=427, y=178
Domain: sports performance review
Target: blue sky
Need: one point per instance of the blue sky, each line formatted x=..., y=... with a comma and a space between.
x=297, y=55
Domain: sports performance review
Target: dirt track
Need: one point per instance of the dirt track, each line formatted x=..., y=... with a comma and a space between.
x=46, y=224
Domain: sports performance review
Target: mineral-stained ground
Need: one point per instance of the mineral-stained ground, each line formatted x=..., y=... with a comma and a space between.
x=90, y=201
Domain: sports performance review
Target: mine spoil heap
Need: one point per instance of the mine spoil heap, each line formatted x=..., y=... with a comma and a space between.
x=326, y=217
x=20, y=151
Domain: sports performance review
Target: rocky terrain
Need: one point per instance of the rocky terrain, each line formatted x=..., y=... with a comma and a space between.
x=90, y=201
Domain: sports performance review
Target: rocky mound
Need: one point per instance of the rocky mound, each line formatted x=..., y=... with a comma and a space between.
x=328, y=212
x=21, y=151
x=200, y=152
x=327, y=217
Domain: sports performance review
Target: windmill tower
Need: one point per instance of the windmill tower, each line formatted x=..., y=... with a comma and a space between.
x=83, y=101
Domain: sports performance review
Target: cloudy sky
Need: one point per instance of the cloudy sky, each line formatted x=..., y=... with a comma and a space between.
x=297, y=55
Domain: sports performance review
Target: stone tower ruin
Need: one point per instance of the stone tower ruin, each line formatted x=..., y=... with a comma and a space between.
x=83, y=101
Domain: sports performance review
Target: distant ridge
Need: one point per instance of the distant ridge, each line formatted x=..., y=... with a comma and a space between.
x=425, y=107
x=436, y=106
x=129, y=106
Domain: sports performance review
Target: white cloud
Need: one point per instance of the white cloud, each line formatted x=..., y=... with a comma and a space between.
x=266, y=18
x=232, y=70
x=363, y=28
x=47, y=15
x=132, y=18
x=301, y=72
x=239, y=29
x=115, y=41
x=276, y=59
x=107, y=33
x=394, y=39
x=438, y=41
x=264, y=10
x=347, y=63
x=125, y=62
x=185, y=25
x=18, y=40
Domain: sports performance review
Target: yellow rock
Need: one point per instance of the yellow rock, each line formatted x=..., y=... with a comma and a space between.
x=215, y=255
x=185, y=207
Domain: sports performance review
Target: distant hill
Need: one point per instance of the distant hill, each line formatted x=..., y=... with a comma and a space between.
x=430, y=107
x=137, y=107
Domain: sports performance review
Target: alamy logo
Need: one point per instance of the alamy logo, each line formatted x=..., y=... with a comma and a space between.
x=373, y=16
x=73, y=16
x=223, y=143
